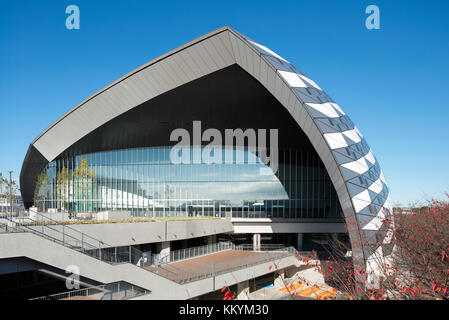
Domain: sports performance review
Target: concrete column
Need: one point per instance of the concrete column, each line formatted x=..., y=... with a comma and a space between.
x=256, y=241
x=299, y=243
x=165, y=250
x=243, y=290
x=32, y=213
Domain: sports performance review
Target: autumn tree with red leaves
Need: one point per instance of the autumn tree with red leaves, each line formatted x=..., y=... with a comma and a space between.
x=421, y=257
x=227, y=293
x=418, y=267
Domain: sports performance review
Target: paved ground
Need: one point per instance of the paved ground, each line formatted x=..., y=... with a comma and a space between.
x=224, y=261
x=303, y=289
x=307, y=284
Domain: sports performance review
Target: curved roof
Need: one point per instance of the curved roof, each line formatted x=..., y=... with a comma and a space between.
x=352, y=167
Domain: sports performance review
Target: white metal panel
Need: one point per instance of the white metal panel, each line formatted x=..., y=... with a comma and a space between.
x=285, y=92
x=204, y=49
x=278, y=84
x=172, y=80
x=241, y=47
x=271, y=76
x=263, y=75
x=235, y=49
x=224, y=46
x=190, y=65
x=176, y=73
x=256, y=64
x=291, y=102
x=250, y=55
x=214, y=55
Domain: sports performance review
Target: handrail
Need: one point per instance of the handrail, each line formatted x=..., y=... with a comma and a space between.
x=102, y=252
x=75, y=240
x=108, y=292
x=187, y=275
x=55, y=222
x=187, y=253
x=111, y=255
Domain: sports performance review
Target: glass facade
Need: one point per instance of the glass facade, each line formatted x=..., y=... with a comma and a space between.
x=147, y=183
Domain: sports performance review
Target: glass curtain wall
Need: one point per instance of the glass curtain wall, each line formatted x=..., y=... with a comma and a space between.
x=146, y=182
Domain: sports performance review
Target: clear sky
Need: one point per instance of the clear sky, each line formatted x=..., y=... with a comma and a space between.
x=392, y=82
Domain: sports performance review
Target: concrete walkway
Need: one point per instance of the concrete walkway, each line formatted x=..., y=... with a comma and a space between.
x=215, y=263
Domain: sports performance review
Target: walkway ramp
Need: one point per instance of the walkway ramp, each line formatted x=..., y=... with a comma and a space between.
x=97, y=261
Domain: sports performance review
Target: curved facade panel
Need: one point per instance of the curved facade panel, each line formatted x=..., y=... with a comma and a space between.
x=228, y=81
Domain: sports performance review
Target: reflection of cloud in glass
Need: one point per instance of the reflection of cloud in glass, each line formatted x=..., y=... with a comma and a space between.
x=153, y=172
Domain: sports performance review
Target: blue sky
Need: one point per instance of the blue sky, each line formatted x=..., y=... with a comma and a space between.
x=392, y=82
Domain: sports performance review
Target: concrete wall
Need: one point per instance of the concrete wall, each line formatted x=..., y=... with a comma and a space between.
x=47, y=252
x=105, y=215
x=34, y=247
x=200, y=287
x=124, y=234
x=270, y=226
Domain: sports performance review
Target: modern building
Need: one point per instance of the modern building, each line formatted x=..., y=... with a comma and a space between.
x=222, y=127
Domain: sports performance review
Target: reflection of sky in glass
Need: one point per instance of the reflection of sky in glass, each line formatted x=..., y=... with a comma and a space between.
x=159, y=178
x=145, y=179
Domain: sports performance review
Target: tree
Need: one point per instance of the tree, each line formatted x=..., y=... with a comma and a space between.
x=62, y=185
x=11, y=187
x=42, y=188
x=84, y=176
x=422, y=255
x=227, y=294
x=2, y=185
x=418, y=267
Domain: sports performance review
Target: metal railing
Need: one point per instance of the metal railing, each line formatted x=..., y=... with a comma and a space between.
x=15, y=211
x=73, y=239
x=186, y=275
x=63, y=234
x=6, y=227
x=79, y=241
x=187, y=253
x=112, y=291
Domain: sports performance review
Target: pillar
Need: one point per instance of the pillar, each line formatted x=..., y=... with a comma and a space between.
x=243, y=290
x=256, y=241
x=33, y=213
x=165, y=251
